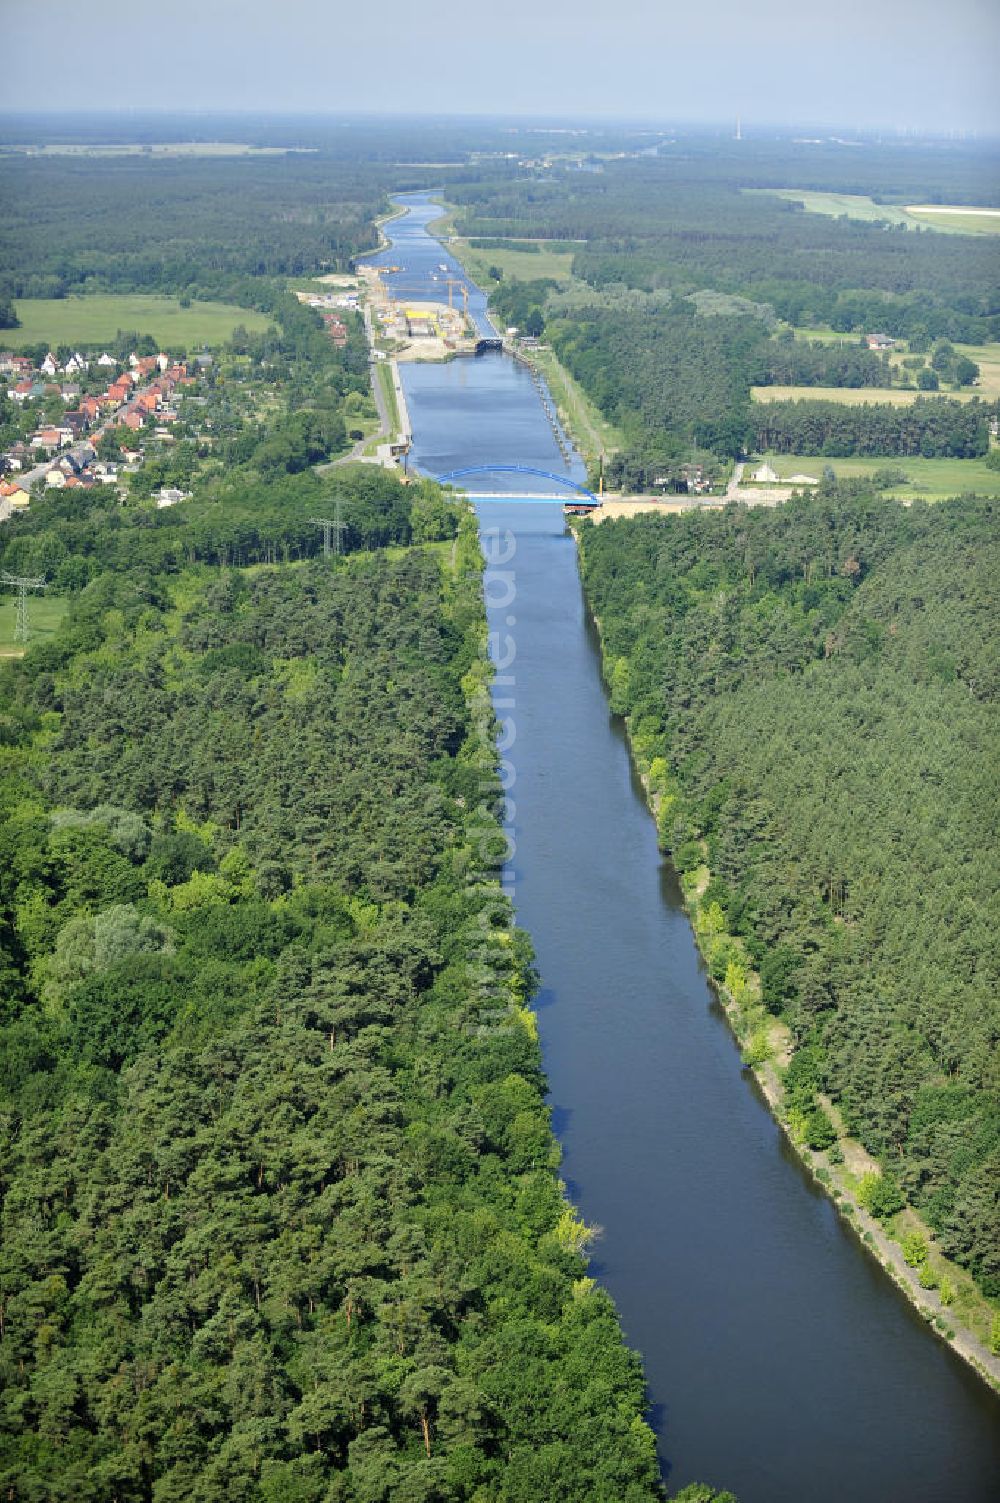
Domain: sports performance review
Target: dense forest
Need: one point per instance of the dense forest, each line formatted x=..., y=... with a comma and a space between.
x=932, y=427
x=282, y=1217
x=88, y=224
x=819, y=683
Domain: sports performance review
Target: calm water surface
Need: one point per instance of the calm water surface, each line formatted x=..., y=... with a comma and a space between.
x=781, y=1362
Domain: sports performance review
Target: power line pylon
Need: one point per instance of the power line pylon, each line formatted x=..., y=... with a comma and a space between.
x=333, y=530
x=22, y=583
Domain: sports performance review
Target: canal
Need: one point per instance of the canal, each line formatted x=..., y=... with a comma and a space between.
x=780, y=1360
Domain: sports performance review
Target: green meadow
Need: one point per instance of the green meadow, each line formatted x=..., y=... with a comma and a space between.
x=927, y=479
x=97, y=319
x=44, y=614
x=525, y=266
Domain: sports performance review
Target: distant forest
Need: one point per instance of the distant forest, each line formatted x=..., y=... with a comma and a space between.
x=683, y=274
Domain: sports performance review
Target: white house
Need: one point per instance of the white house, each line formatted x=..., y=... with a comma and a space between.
x=50, y=364
x=107, y=362
x=76, y=364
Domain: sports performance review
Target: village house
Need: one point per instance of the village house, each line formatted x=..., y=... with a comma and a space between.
x=879, y=342
x=20, y=392
x=694, y=478
x=69, y=391
x=133, y=419
x=76, y=364
x=76, y=422
x=337, y=330
x=15, y=495
x=50, y=365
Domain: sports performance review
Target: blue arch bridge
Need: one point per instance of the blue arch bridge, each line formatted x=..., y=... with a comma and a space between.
x=586, y=497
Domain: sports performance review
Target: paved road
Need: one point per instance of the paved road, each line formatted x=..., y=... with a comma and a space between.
x=28, y=477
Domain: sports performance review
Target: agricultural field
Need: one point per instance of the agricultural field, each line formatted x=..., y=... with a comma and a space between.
x=97, y=319
x=926, y=479
x=961, y=219
x=855, y=396
x=44, y=614
x=835, y=205
x=987, y=357
x=948, y=219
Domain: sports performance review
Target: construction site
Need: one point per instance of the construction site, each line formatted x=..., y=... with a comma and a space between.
x=420, y=331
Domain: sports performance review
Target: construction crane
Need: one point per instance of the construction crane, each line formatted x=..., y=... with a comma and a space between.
x=452, y=283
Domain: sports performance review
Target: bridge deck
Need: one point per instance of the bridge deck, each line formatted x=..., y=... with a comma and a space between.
x=568, y=500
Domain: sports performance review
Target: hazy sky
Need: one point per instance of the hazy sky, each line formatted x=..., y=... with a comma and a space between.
x=930, y=64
